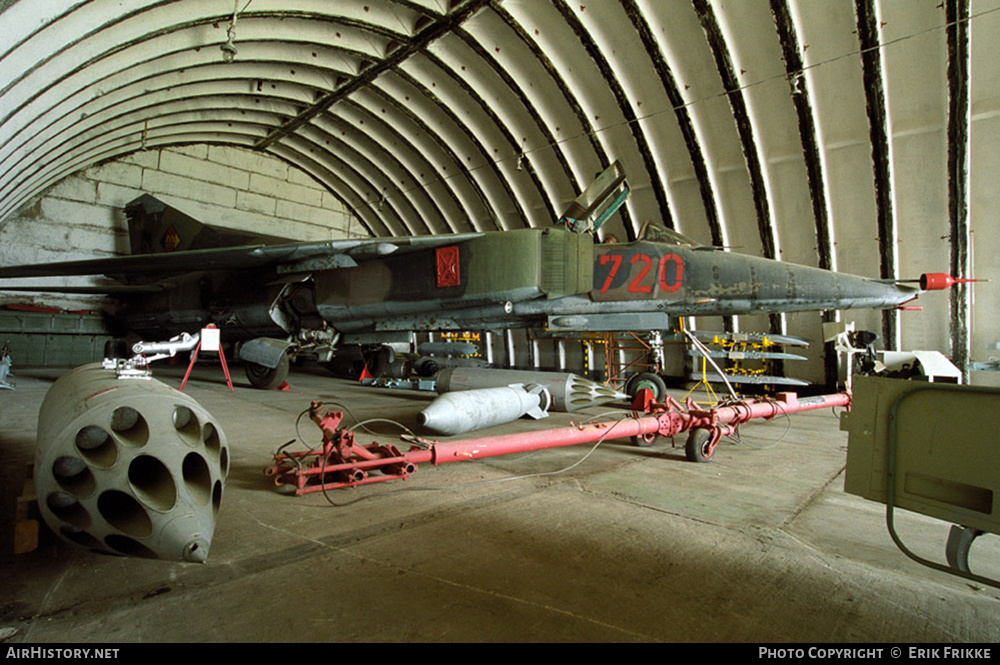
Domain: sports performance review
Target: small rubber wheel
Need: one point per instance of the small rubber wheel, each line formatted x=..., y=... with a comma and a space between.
x=651, y=382
x=699, y=446
x=268, y=378
x=645, y=440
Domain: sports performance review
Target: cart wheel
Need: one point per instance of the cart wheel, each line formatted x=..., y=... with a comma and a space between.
x=699, y=446
x=651, y=382
x=645, y=440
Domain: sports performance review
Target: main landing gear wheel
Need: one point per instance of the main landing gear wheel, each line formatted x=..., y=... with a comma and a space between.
x=651, y=382
x=699, y=446
x=268, y=378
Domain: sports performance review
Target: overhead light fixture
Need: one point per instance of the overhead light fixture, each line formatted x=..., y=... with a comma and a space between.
x=228, y=51
x=228, y=48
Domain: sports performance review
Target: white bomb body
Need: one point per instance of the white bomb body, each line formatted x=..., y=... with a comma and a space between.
x=570, y=392
x=465, y=411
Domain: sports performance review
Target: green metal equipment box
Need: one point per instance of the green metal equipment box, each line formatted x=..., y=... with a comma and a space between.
x=52, y=339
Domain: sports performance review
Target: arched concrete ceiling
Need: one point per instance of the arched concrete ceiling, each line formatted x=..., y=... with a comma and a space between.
x=806, y=130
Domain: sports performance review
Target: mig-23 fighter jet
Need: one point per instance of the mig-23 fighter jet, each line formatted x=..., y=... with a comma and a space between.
x=313, y=300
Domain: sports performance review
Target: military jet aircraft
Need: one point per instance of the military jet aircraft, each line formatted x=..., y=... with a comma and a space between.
x=316, y=299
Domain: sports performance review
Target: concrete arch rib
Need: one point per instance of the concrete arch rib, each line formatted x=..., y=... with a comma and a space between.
x=143, y=108
x=792, y=54
x=358, y=131
x=91, y=110
x=866, y=12
x=959, y=120
x=658, y=53
x=537, y=146
x=455, y=145
x=251, y=26
x=382, y=116
x=590, y=24
x=39, y=34
x=493, y=137
x=497, y=100
x=121, y=146
x=178, y=117
x=352, y=199
x=106, y=82
x=23, y=20
x=700, y=99
x=353, y=180
x=799, y=85
x=744, y=125
x=122, y=46
x=397, y=212
x=184, y=127
x=538, y=27
x=393, y=50
x=81, y=109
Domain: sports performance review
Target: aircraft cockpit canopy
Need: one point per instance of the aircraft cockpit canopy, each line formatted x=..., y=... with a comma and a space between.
x=654, y=233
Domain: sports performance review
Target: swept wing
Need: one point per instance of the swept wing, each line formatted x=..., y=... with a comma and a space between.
x=286, y=258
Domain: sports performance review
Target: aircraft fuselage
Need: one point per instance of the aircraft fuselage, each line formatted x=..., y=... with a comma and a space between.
x=547, y=278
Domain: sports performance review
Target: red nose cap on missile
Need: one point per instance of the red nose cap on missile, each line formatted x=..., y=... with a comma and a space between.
x=937, y=281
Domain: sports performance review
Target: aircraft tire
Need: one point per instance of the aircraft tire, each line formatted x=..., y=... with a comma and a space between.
x=698, y=447
x=649, y=381
x=267, y=378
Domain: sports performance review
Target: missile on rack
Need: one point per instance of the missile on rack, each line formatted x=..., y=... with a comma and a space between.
x=745, y=355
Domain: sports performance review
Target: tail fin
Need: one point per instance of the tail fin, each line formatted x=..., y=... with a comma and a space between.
x=154, y=227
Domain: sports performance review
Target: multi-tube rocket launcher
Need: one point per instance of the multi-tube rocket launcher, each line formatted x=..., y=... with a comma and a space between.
x=129, y=466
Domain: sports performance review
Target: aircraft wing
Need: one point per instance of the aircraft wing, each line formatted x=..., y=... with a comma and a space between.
x=110, y=290
x=287, y=258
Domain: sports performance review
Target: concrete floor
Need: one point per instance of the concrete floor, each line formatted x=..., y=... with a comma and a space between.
x=629, y=545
